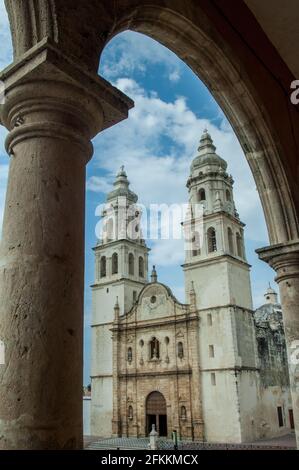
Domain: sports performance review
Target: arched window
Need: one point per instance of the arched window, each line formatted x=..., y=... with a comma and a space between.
x=239, y=245
x=228, y=195
x=201, y=195
x=154, y=349
x=183, y=412
x=103, y=266
x=130, y=412
x=114, y=263
x=131, y=264
x=180, y=350
x=130, y=355
x=230, y=240
x=212, y=243
x=141, y=266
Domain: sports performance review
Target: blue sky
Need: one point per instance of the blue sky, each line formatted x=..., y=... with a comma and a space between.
x=156, y=145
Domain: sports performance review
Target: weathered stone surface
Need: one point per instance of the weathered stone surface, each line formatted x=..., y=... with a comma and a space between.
x=52, y=109
x=284, y=259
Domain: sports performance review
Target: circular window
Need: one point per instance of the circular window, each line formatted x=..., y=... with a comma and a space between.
x=153, y=299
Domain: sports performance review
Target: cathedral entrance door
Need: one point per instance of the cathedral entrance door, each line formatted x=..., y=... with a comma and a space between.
x=156, y=413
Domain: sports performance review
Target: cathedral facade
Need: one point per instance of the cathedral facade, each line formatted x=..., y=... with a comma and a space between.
x=212, y=368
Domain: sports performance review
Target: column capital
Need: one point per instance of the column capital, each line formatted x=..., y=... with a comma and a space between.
x=283, y=258
x=48, y=94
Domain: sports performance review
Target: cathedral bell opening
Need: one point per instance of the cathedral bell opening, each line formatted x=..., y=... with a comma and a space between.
x=156, y=413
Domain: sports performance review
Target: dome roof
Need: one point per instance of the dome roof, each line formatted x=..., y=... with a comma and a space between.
x=207, y=154
x=121, y=188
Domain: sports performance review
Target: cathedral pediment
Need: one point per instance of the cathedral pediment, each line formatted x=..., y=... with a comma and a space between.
x=156, y=300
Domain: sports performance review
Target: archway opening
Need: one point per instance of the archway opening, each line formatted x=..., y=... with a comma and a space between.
x=156, y=413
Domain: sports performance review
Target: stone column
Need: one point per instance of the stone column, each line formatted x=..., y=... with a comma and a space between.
x=284, y=259
x=52, y=109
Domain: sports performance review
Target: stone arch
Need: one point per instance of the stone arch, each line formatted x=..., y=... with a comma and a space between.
x=209, y=54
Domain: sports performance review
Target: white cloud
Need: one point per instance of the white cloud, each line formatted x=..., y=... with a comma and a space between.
x=98, y=184
x=132, y=52
x=167, y=253
x=174, y=76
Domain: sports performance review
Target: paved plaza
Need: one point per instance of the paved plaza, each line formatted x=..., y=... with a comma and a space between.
x=286, y=442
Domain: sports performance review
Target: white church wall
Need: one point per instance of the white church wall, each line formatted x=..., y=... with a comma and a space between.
x=101, y=353
x=271, y=398
x=239, y=285
x=219, y=335
x=220, y=407
x=205, y=281
x=86, y=416
x=101, y=407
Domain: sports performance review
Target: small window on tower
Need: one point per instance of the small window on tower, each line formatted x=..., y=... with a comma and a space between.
x=130, y=355
x=210, y=320
x=180, y=350
x=114, y=263
x=213, y=378
x=134, y=296
x=201, y=195
x=280, y=416
x=211, y=350
x=103, y=266
x=228, y=195
x=212, y=243
x=131, y=264
x=141, y=266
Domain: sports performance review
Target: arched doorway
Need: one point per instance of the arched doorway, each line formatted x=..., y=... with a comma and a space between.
x=156, y=413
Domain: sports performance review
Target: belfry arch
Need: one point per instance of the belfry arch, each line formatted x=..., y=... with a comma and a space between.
x=55, y=42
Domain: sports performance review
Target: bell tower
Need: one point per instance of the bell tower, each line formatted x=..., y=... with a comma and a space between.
x=218, y=256
x=216, y=268
x=121, y=271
